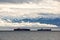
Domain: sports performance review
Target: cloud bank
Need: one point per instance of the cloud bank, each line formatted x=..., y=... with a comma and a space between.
x=27, y=13
x=25, y=24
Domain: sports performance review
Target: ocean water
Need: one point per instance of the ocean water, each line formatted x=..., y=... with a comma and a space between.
x=26, y=35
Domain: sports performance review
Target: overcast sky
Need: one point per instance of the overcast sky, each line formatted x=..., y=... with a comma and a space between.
x=29, y=9
x=19, y=1
x=22, y=1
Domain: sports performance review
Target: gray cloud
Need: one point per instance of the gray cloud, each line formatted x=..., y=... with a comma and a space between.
x=19, y=1
x=57, y=0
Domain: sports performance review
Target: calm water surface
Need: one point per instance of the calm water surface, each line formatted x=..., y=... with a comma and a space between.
x=23, y=35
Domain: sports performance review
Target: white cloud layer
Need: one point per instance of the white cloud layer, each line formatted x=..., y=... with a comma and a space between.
x=4, y=23
x=27, y=13
x=25, y=24
x=45, y=5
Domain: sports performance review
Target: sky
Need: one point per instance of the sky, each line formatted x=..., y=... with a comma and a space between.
x=28, y=12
